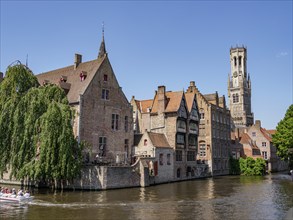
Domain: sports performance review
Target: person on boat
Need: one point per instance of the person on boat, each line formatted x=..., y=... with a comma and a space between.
x=20, y=193
x=13, y=191
x=27, y=194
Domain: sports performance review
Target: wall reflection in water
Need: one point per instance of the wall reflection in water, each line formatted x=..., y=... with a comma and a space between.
x=229, y=197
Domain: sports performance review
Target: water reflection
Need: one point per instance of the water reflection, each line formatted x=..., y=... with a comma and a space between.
x=230, y=197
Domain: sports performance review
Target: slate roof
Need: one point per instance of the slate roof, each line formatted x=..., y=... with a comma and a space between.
x=159, y=140
x=137, y=138
x=173, y=100
x=77, y=86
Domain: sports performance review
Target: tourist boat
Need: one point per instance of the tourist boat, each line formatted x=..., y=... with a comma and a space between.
x=7, y=197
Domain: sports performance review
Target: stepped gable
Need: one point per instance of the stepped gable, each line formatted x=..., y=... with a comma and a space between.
x=73, y=75
x=159, y=140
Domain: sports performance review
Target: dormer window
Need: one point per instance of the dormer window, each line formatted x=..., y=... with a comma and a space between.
x=46, y=82
x=105, y=78
x=82, y=76
x=63, y=79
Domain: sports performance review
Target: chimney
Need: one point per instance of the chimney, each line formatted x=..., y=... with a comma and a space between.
x=1, y=77
x=191, y=86
x=77, y=60
x=192, y=83
x=161, y=98
x=258, y=124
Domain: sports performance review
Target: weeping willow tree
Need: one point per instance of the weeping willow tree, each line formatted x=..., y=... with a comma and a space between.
x=36, y=136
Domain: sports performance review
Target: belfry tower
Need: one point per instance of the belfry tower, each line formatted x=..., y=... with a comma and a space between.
x=239, y=89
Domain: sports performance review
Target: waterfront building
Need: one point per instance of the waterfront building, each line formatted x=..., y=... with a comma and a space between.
x=214, y=143
x=262, y=139
x=103, y=115
x=175, y=115
x=155, y=147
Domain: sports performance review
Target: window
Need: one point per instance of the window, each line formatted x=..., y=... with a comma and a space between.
x=105, y=77
x=126, y=147
x=115, y=122
x=190, y=155
x=239, y=60
x=181, y=125
x=102, y=146
x=235, y=61
x=161, y=159
x=178, y=155
x=168, y=159
x=193, y=127
x=202, y=150
x=265, y=155
x=182, y=111
x=192, y=140
x=264, y=144
x=105, y=94
x=145, y=142
x=126, y=123
x=180, y=139
x=201, y=115
x=194, y=113
x=253, y=134
x=235, y=98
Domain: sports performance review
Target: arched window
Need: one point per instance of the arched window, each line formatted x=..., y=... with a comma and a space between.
x=239, y=60
x=178, y=173
x=235, y=61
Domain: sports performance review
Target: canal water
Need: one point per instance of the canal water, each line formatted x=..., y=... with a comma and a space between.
x=227, y=197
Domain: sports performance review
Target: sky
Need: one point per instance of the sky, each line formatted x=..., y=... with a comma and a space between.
x=153, y=43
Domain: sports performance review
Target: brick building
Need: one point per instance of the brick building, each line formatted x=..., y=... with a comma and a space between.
x=214, y=143
x=156, y=147
x=174, y=114
x=103, y=115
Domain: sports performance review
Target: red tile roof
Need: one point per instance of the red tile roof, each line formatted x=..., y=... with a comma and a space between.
x=266, y=134
x=173, y=100
x=159, y=140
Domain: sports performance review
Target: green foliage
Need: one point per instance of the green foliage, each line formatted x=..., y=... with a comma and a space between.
x=234, y=166
x=36, y=136
x=251, y=167
x=283, y=138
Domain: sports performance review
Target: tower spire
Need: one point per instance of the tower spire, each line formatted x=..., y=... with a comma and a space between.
x=102, y=51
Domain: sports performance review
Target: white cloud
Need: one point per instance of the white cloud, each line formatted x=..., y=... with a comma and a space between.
x=282, y=54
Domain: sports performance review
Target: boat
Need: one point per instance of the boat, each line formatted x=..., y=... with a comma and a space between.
x=8, y=197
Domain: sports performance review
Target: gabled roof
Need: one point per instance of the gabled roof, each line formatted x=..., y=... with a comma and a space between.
x=271, y=131
x=245, y=139
x=144, y=105
x=266, y=134
x=137, y=138
x=173, y=100
x=159, y=140
x=211, y=97
x=189, y=100
x=77, y=86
